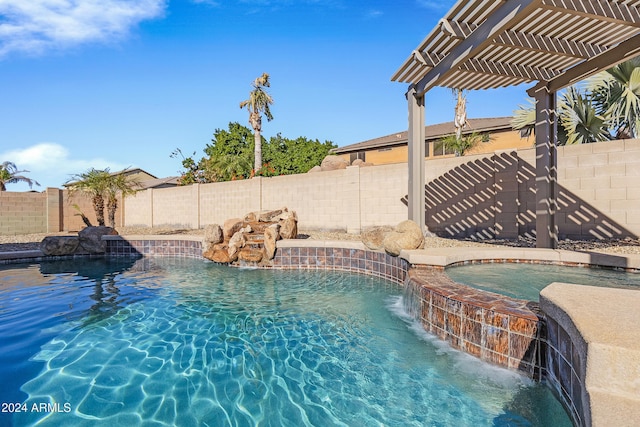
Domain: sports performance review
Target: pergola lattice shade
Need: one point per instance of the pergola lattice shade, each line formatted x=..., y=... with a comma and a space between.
x=483, y=44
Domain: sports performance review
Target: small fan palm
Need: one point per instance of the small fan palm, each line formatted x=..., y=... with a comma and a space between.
x=524, y=118
x=93, y=183
x=616, y=95
x=580, y=120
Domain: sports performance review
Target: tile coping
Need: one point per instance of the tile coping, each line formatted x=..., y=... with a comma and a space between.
x=435, y=257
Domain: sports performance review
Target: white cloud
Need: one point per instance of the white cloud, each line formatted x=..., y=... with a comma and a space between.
x=51, y=164
x=34, y=26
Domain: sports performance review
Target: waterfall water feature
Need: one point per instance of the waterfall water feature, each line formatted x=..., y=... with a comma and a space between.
x=412, y=300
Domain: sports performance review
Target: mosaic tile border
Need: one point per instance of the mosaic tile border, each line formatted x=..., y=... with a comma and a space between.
x=498, y=329
x=376, y=264
x=565, y=370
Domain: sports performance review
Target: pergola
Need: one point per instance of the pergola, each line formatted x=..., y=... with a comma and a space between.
x=487, y=44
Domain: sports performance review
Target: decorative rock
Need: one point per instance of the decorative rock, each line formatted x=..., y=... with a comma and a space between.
x=251, y=217
x=315, y=169
x=288, y=215
x=212, y=234
x=218, y=253
x=288, y=228
x=407, y=235
x=91, y=238
x=332, y=162
x=373, y=237
x=59, y=245
x=250, y=255
x=231, y=226
x=268, y=216
x=236, y=243
x=357, y=162
x=271, y=234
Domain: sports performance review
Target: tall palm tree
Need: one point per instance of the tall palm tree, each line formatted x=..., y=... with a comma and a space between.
x=616, y=95
x=9, y=174
x=94, y=183
x=118, y=184
x=460, y=112
x=258, y=103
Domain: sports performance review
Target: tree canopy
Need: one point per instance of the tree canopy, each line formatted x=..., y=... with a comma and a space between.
x=229, y=156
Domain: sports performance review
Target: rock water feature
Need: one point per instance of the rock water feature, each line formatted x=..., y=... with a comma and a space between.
x=88, y=241
x=251, y=239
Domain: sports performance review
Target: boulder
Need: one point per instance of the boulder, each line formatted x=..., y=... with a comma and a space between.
x=212, y=234
x=373, y=237
x=315, y=169
x=91, y=238
x=263, y=216
x=236, y=243
x=406, y=235
x=287, y=215
x=218, y=253
x=268, y=216
x=271, y=234
x=332, y=162
x=288, y=228
x=59, y=245
x=250, y=255
x=357, y=162
x=231, y=226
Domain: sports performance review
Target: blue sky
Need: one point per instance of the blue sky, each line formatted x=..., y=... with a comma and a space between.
x=122, y=83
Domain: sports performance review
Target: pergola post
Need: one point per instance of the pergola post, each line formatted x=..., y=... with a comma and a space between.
x=546, y=169
x=416, y=158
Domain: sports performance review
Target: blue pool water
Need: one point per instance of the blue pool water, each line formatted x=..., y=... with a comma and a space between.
x=164, y=342
x=525, y=281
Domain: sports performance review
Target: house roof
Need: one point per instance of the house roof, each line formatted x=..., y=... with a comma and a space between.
x=431, y=132
x=482, y=44
x=159, y=182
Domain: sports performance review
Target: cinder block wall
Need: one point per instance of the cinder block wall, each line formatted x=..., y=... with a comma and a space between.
x=223, y=200
x=322, y=200
x=599, y=191
x=477, y=196
x=23, y=213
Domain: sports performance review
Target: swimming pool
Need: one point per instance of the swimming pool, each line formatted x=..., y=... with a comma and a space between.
x=525, y=281
x=170, y=341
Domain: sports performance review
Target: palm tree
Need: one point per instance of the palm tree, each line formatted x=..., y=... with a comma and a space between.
x=9, y=174
x=524, y=118
x=616, y=95
x=460, y=115
x=93, y=183
x=258, y=103
x=579, y=119
x=118, y=184
x=462, y=144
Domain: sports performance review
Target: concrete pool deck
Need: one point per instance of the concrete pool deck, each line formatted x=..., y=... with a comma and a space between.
x=595, y=367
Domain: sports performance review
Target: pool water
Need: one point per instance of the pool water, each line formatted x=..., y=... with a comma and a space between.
x=160, y=342
x=525, y=281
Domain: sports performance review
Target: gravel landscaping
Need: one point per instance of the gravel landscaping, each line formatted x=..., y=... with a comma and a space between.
x=25, y=242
